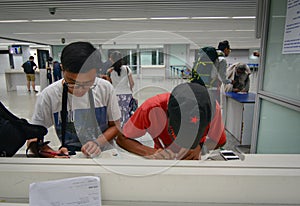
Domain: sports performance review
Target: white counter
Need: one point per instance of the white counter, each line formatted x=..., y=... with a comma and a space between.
x=153, y=71
x=16, y=78
x=259, y=179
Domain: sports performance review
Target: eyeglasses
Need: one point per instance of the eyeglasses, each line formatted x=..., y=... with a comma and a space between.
x=78, y=86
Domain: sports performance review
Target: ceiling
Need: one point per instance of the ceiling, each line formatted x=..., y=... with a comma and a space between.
x=103, y=22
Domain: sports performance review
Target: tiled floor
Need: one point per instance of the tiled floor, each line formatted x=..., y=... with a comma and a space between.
x=21, y=103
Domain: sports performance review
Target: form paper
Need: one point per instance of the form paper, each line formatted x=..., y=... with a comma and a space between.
x=78, y=191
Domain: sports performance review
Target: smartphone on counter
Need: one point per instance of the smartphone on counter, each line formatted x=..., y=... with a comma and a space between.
x=229, y=155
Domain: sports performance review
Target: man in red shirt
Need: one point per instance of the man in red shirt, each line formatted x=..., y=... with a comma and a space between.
x=178, y=122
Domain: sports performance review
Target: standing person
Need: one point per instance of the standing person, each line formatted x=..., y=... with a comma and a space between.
x=221, y=65
x=49, y=70
x=102, y=72
x=86, y=103
x=121, y=78
x=178, y=122
x=219, y=73
x=56, y=71
x=29, y=69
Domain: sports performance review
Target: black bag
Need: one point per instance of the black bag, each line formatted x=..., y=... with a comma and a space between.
x=204, y=65
x=27, y=67
x=133, y=105
x=15, y=131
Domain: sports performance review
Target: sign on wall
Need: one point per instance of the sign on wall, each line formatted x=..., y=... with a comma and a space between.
x=291, y=43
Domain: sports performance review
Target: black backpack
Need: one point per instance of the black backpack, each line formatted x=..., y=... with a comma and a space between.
x=15, y=131
x=204, y=65
x=27, y=67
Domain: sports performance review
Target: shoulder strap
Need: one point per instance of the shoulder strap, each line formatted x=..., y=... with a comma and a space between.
x=63, y=114
x=92, y=108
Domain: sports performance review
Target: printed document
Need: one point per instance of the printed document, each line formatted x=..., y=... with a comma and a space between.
x=81, y=191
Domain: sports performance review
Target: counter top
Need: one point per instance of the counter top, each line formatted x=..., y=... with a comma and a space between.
x=242, y=97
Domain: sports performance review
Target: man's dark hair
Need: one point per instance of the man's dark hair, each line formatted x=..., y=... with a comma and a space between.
x=31, y=57
x=189, y=113
x=223, y=45
x=80, y=57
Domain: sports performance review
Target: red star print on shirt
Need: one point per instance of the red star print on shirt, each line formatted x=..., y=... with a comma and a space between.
x=194, y=120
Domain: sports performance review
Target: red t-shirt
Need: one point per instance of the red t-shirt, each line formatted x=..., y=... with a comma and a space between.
x=151, y=117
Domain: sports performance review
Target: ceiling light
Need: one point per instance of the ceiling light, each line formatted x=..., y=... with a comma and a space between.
x=13, y=21
x=88, y=19
x=243, y=17
x=168, y=18
x=127, y=19
x=48, y=20
x=211, y=17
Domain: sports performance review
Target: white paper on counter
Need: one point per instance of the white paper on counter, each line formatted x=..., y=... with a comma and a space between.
x=81, y=191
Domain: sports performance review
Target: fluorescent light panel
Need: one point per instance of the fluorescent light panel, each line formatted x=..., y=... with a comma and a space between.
x=169, y=18
x=13, y=21
x=48, y=20
x=88, y=19
x=129, y=19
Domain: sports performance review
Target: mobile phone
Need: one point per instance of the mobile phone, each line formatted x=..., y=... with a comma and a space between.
x=229, y=155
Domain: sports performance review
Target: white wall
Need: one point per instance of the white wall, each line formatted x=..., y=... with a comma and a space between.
x=238, y=55
x=4, y=59
x=18, y=61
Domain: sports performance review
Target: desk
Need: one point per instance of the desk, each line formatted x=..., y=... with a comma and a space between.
x=16, y=78
x=153, y=71
x=259, y=179
x=239, y=115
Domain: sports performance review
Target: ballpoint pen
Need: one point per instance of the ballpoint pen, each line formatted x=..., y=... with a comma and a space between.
x=164, y=147
x=54, y=153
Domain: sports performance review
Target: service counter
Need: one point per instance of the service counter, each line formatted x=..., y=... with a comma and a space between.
x=14, y=78
x=153, y=71
x=239, y=115
x=257, y=180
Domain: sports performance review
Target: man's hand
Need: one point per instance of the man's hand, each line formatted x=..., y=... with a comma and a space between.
x=61, y=153
x=164, y=154
x=91, y=149
x=189, y=154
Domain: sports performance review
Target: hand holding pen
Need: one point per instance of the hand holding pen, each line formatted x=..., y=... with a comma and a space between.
x=61, y=153
x=163, y=153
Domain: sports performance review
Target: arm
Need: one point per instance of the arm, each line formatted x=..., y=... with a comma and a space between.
x=134, y=146
x=131, y=82
x=130, y=79
x=247, y=85
x=92, y=148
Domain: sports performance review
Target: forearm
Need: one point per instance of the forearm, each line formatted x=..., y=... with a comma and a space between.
x=134, y=146
x=108, y=135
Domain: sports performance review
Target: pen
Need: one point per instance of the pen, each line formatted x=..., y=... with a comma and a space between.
x=164, y=147
x=161, y=143
x=54, y=153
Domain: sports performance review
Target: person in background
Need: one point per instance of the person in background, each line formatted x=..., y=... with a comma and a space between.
x=49, y=70
x=178, y=122
x=238, y=74
x=79, y=92
x=56, y=71
x=102, y=72
x=29, y=69
x=121, y=78
x=221, y=65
